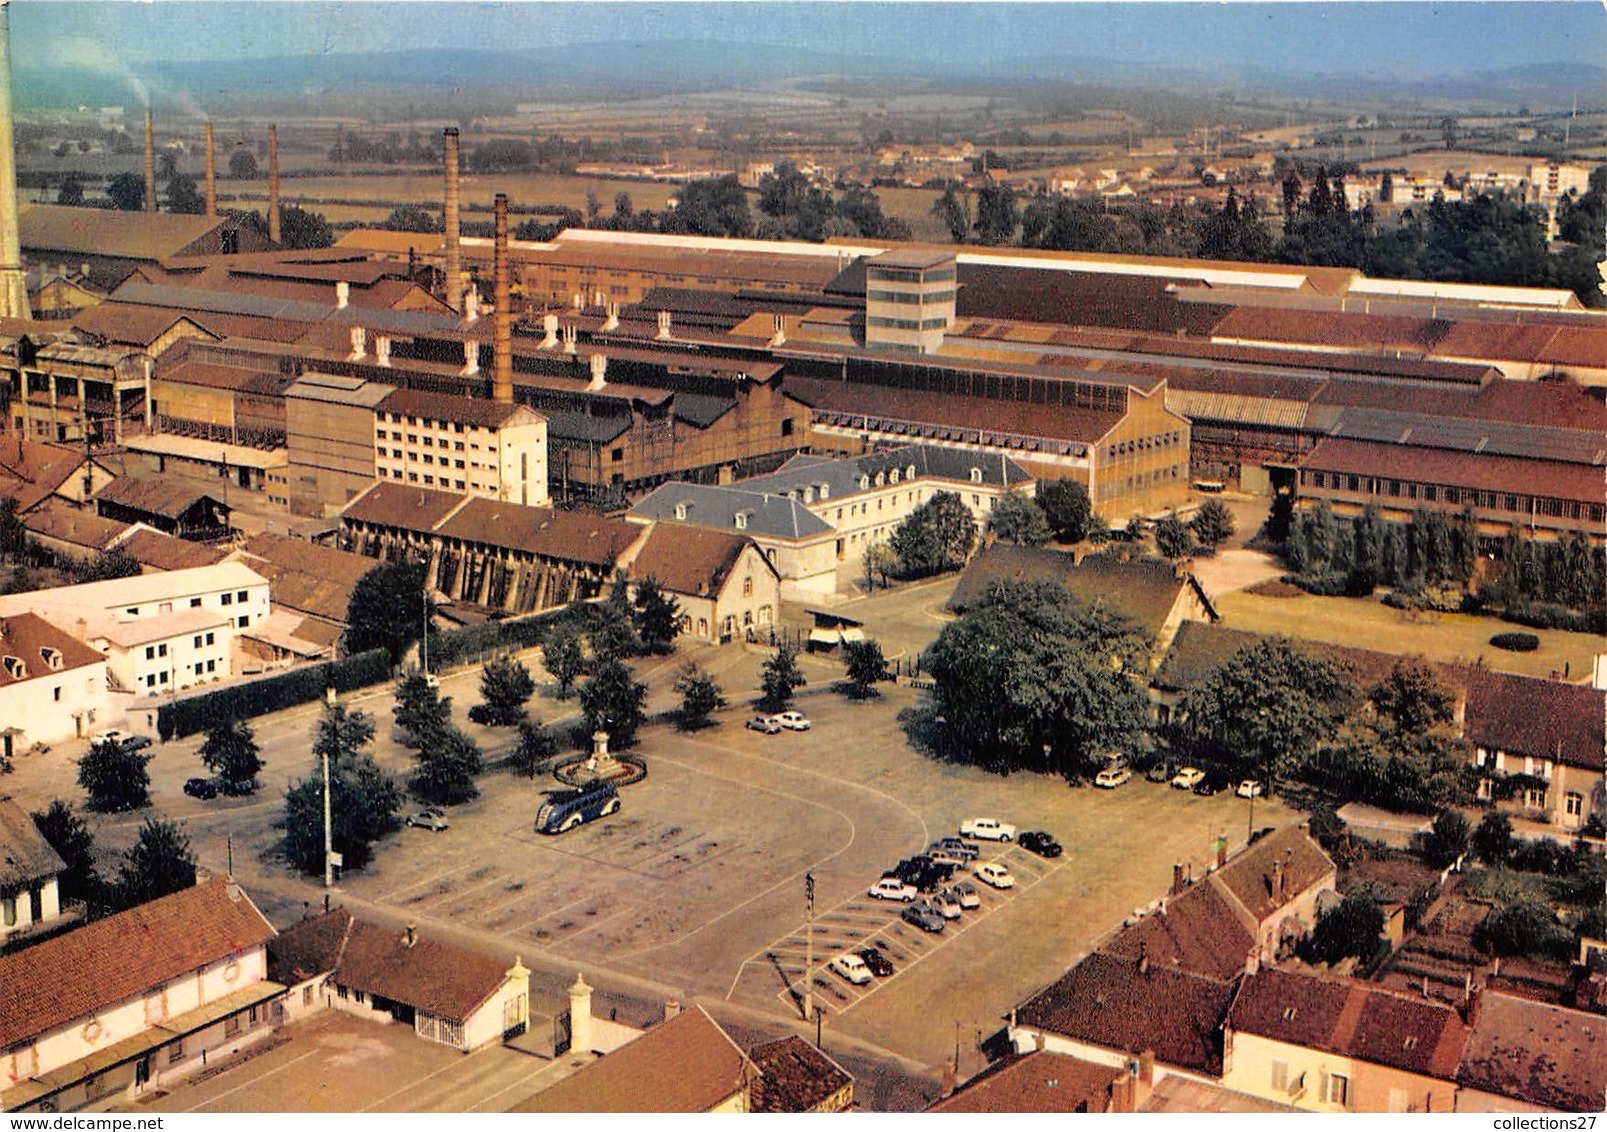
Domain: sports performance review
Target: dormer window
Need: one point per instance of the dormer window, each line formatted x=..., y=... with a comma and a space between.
x=51, y=657
x=809, y=494
x=825, y=491
x=976, y=475
x=892, y=476
x=881, y=478
x=909, y=473
x=864, y=483
x=16, y=668
x=680, y=511
x=742, y=520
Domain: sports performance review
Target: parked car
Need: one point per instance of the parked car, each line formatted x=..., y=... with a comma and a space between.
x=136, y=742
x=988, y=829
x=122, y=739
x=1250, y=788
x=878, y=963
x=852, y=968
x=1110, y=778
x=941, y=856
x=924, y=917
x=792, y=720
x=947, y=906
x=1040, y=842
x=891, y=888
x=965, y=892
x=995, y=874
x=1212, y=784
x=202, y=788
x=432, y=819
x=1187, y=778
x=563, y=811
x=959, y=846
x=767, y=724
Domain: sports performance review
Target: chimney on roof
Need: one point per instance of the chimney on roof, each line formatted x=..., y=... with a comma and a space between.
x=1221, y=849
x=1038, y=1040
x=411, y=938
x=778, y=335
x=343, y=294
x=599, y=371
x=273, y=183
x=471, y=358
x=611, y=322
x=1177, y=878
x=150, y=162
x=83, y=629
x=359, y=344
x=382, y=350
x=1122, y=1094
x=549, y=328
x=1275, y=882
x=211, y=174
x=663, y=326
x=578, y=301
x=454, y=262
x=502, y=367
x=1146, y=1070
x=469, y=302
x=672, y=1008
x=571, y=338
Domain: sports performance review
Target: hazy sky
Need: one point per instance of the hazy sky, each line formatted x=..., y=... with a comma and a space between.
x=1392, y=37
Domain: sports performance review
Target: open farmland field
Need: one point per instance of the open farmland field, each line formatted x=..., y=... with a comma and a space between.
x=382, y=193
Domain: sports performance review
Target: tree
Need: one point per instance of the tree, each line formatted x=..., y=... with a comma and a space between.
x=1525, y=926
x=615, y=637
x=126, y=192
x=505, y=688
x=364, y=801
x=1067, y=509
x=231, y=753
x=879, y=560
x=780, y=677
x=1492, y=840
x=562, y=656
x=71, y=192
x=69, y=835
x=342, y=733
x=1173, y=539
x=613, y=701
x=300, y=229
x=114, y=778
x=446, y=768
x=242, y=165
x=996, y=214
x=866, y=668
x=1410, y=698
x=657, y=617
x=158, y=864
x=411, y=218
x=1212, y=524
x=183, y=195
x=536, y=746
x=954, y=210
x=716, y=206
x=387, y=610
x=1448, y=838
x=1352, y=927
x=701, y=696
x=108, y=564
x=1017, y=518
x=936, y=536
x=421, y=711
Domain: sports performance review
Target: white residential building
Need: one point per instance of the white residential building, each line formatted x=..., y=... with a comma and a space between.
x=52, y=685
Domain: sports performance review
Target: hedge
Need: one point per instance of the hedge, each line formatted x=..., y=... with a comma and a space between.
x=476, y=642
x=1516, y=642
x=260, y=697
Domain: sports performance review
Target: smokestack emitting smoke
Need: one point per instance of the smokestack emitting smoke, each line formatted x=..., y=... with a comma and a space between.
x=150, y=163
x=502, y=321
x=273, y=183
x=13, y=280
x=454, y=265
x=211, y=174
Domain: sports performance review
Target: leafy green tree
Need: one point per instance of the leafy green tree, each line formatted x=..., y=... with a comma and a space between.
x=387, y=610
x=446, y=768
x=1525, y=926
x=127, y=192
x=1031, y=679
x=657, y=617
x=1173, y=539
x=717, y=206
x=561, y=655
x=1018, y=519
x=364, y=802
x=1067, y=508
x=71, y=192
x=938, y=535
x=159, y=863
x=342, y=733
x=300, y=229
x=183, y=195
x=420, y=711
x=615, y=637
x=411, y=218
x=701, y=696
x=954, y=210
x=613, y=701
x=866, y=666
x=70, y=836
x=1448, y=838
x=1212, y=524
x=879, y=561
x=230, y=752
x=1492, y=840
x=1350, y=928
x=535, y=748
x=1410, y=698
x=505, y=689
x=106, y=565
x=114, y=778
x=780, y=677
x=997, y=216
x=242, y=165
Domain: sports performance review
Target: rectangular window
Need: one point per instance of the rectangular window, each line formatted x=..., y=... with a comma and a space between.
x=150, y=679
x=227, y=599
x=231, y=1026
x=1339, y=1090
x=244, y=621
x=196, y=643
x=195, y=603
x=240, y=597
x=161, y=677
x=175, y=1053
x=211, y=638
x=161, y=650
x=55, y=693
x=211, y=666
x=150, y=652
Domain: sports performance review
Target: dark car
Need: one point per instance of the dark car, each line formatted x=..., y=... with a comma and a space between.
x=878, y=963
x=959, y=846
x=202, y=788
x=924, y=916
x=1212, y=784
x=136, y=742
x=1040, y=842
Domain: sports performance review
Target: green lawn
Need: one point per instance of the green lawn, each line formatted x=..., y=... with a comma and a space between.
x=1371, y=625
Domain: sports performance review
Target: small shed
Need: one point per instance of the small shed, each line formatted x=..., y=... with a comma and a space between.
x=832, y=630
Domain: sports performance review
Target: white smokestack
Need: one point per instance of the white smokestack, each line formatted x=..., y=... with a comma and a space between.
x=549, y=326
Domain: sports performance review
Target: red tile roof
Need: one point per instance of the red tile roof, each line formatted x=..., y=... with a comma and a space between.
x=1198, y=930
x=26, y=635
x=60, y=520
x=689, y=560
x=474, y=411
x=31, y=472
x=428, y=975
x=164, y=552
x=110, y=961
x=795, y=1077
x=1288, y=857
x=1345, y=331
x=1532, y=1051
x=1352, y=1019
x=573, y=536
x=409, y=508
x=1533, y=716
x=1551, y=478
x=25, y=855
x=1039, y=1081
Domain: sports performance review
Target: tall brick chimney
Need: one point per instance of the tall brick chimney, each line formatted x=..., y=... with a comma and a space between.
x=13, y=277
x=150, y=162
x=273, y=183
x=211, y=174
x=454, y=263
x=502, y=321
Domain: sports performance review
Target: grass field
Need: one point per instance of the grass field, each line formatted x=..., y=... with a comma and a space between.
x=524, y=190
x=1371, y=625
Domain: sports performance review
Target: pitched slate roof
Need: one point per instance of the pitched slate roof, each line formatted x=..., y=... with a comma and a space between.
x=1533, y=1051
x=685, y=1064
x=1106, y=1000
x=689, y=560
x=1039, y=1081
x=25, y=855
x=1352, y=1019
x=110, y=961
x=912, y=461
x=795, y=1076
x=764, y=515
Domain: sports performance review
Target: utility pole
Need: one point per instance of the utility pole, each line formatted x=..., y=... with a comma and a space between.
x=329, y=839
x=809, y=950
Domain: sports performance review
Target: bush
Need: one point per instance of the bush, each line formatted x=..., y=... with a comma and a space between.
x=1523, y=927
x=458, y=645
x=1540, y=615
x=1516, y=642
x=290, y=689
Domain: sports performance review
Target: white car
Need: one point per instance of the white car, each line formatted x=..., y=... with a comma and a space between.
x=792, y=720
x=1187, y=778
x=988, y=829
x=995, y=874
x=891, y=888
x=1112, y=777
x=852, y=968
x=1249, y=788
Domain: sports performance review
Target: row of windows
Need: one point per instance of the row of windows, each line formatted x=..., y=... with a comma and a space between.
x=154, y=651
x=1436, y=493
x=910, y=298
x=1144, y=444
x=911, y=274
x=1143, y=481
x=907, y=323
x=430, y=481
x=428, y=441
x=424, y=422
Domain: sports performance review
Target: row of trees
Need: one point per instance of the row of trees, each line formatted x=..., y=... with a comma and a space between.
x=159, y=862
